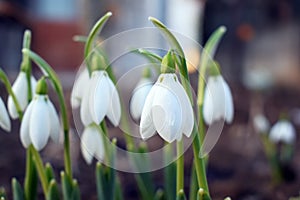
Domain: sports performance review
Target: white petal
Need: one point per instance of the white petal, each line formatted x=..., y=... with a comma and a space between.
x=100, y=151
x=33, y=85
x=4, y=118
x=54, y=122
x=214, y=100
x=138, y=98
x=229, y=108
x=24, y=130
x=85, y=115
x=187, y=110
x=99, y=96
x=20, y=90
x=167, y=112
x=88, y=143
x=79, y=88
x=147, y=128
x=208, y=106
x=39, y=123
x=114, y=109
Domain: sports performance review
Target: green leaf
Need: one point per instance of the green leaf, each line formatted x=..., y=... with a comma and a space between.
x=211, y=45
x=53, y=192
x=17, y=190
x=168, y=35
x=159, y=195
x=118, y=190
x=49, y=172
x=31, y=178
x=105, y=181
x=169, y=172
x=66, y=186
x=2, y=193
x=181, y=195
x=194, y=184
x=94, y=32
x=202, y=195
x=76, y=191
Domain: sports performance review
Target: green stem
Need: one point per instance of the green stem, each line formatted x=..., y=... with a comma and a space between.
x=180, y=167
x=45, y=67
x=181, y=62
x=199, y=163
x=40, y=169
x=8, y=87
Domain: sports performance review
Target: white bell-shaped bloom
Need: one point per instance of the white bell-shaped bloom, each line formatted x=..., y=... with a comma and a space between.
x=92, y=143
x=283, y=131
x=167, y=110
x=20, y=89
x=79, y=88
x=4, y=118
x=218, y=103
x=101, y=99
x=261, y=123
x=139, y=96
x=39, y=122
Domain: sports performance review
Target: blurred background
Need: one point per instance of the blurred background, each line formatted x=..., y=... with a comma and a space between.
x=259, y=57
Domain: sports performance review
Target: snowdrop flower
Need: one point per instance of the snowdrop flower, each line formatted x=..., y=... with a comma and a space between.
x=100, y=99
x=218, y=103
x=79, y=88
x=92, y=143
x=139, y=97
x=4, y=118
x=40, y=120
x=167, y=110
x=20, y=88
x=261, y=123
x=283, y=131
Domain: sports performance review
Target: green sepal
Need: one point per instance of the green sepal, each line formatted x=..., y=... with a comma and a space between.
x=168, y=63
x=53, y=192
x=17, y=190
x=202, y=195
x=180, y=195
x=41, y=86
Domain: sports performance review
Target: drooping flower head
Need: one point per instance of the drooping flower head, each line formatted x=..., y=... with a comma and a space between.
x=218, y=103
x=283, y=131
x=261, y=124
x=100, y=99
x=140, y=94
x=40, y=120
x=78, y=89
x=20, y=88
x=92, y=143
x=167, y=109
